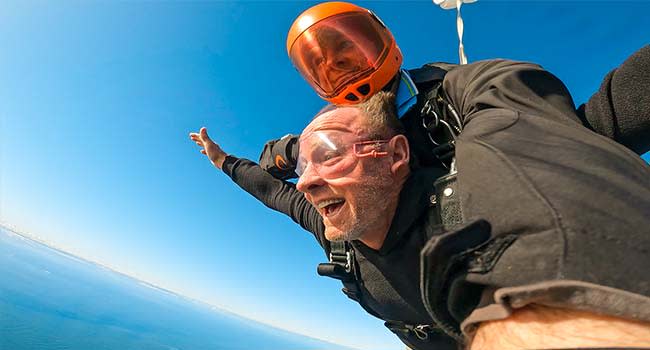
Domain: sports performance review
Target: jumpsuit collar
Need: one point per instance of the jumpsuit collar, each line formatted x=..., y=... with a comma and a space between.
x=414, y=200
x=406, y=94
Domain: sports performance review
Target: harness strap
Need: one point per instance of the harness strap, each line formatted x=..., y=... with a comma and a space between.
x=342, y=266
x=441, y=123
x=421, y=331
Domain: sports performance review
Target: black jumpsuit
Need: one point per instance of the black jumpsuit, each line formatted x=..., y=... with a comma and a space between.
x=563, y=204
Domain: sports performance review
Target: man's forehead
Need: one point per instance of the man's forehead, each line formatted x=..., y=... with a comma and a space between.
x=345, y=119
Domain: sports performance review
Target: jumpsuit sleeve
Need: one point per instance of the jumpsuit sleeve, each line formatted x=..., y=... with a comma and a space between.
x=620, y=109
x=510, y=85
x=281, y=196
x=547, y=185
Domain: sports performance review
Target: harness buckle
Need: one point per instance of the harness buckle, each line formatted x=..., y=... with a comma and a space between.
x=348, y=262
x=338, y=261
x=430, y=120
x=422, y=331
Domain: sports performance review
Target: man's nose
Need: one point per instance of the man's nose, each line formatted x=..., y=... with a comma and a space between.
x=339, y=62
x=309, y=180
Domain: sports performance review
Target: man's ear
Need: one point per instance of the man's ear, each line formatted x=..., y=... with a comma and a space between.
x=400, y=154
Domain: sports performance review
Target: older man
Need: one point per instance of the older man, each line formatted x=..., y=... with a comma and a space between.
x=538, y=265
x=344, y=159
x=559, y=270
x=357, y=206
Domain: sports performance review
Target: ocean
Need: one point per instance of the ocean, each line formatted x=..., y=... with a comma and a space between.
x=51, y=300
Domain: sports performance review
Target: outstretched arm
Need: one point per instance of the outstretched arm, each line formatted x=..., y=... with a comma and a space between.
x=276, y=194
x=620, y=109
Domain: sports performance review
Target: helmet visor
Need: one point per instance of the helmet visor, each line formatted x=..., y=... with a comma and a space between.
x=340, y=50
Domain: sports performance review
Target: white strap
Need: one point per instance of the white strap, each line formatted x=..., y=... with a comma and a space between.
x=450, y=4
x=460, y=27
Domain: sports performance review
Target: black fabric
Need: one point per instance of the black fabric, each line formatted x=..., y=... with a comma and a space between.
x=562, y=201
x=387, y=289
x=430, y=73
x=279, y=157
x=428, y=80
x=621, y=108
x=391, y=275
x=575, y=200
x=442, y=259
x=449, y=208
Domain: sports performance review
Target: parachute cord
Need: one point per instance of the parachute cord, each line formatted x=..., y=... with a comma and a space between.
x=460, y=27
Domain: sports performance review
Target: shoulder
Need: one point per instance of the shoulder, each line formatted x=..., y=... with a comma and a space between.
x=489, y=69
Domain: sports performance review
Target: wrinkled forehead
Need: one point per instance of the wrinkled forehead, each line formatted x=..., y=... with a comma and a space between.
x=328, y=37
x=324, y=140
x=340, y=120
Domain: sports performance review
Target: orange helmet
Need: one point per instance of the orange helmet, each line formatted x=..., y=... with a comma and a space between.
x=343, y=51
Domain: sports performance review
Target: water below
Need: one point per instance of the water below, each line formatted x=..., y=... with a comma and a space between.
x=55, y=301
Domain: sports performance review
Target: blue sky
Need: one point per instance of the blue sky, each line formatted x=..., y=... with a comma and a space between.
x=97, y=100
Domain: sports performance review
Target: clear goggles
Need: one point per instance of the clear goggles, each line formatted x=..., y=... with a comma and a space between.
x=333, y=154
x=339, y=50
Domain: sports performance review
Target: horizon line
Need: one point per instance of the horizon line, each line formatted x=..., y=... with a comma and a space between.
x=36, y=239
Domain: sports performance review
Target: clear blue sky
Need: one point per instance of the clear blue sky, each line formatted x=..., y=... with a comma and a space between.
x=97, y=100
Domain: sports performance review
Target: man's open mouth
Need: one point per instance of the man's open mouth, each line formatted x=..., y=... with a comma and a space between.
x=331, y=207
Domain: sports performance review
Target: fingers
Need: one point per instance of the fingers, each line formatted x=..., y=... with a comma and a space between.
x=201, y=136
x=202, y=140
x=195, y=137
x=204, y=134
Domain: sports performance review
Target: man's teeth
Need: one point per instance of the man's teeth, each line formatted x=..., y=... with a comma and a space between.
x=328, y=202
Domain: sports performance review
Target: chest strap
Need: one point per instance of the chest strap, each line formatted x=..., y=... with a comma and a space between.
x=342, y=266
x=441, y=122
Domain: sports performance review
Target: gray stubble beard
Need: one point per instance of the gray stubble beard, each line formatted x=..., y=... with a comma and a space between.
x=374, y=192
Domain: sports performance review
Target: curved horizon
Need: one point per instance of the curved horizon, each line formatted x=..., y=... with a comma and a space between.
x=98, y=99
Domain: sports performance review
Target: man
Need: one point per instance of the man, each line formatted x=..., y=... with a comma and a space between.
x=405, y=312
x=558, y=257
x=620, y=110
x=347, y=54
x=354, y=170
x=400, y=306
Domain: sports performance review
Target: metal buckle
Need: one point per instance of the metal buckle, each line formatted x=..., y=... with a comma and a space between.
x=422, y=331
x=429, y=111
x=348, y=261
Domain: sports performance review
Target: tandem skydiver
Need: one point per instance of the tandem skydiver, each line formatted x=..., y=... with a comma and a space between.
x=504, y=141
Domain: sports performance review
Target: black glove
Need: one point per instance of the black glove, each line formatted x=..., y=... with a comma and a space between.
x=280, y=157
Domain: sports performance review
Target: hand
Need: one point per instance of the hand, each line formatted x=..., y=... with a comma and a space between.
x=208, y=147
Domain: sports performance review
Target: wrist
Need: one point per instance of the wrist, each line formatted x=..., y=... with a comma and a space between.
x=218, y=160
